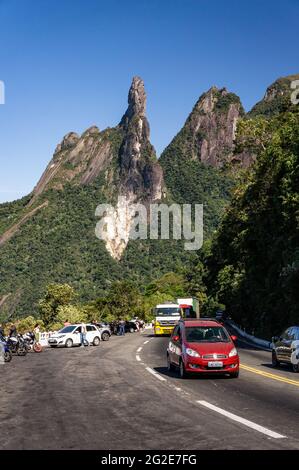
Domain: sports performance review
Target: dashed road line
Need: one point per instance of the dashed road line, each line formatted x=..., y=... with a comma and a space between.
x=145, y=342
x=139, y=349
x=239, y=419
x=155, y=374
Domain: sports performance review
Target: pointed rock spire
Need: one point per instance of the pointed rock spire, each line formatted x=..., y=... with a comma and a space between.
x=136, y=101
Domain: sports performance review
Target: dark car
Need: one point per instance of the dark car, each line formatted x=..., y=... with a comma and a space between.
x=285, y=348
x=130, y=327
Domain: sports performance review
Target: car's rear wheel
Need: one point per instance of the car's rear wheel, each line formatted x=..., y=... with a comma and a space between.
x=170, y=366
x=105, y=336
x=69, y=343
x=275, y=362
x=183, y=373
x=234, y=375
x=96, y=341
x=295, y=367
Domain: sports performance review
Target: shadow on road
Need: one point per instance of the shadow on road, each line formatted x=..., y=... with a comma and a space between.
x=283, y=368
x=195, y=376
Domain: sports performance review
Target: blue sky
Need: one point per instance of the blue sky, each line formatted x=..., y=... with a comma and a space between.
x=68, y=65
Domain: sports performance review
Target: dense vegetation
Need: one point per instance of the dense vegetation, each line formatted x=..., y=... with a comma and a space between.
x=192, y=182
x=59, y=245
x=254, y=262
x=122, y=300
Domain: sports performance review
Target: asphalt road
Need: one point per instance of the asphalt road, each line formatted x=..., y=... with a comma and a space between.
x=120, y=396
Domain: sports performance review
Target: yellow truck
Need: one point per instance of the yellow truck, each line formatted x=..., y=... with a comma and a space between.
x=166, y=315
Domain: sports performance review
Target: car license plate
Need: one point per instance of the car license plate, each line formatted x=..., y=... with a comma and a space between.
x=52, y=340
x=215, y=364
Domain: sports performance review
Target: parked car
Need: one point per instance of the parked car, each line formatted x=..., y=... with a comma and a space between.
x=202, y=346
x=70, y=336
x=105, y=331
x=285, y=348
x=130, y=327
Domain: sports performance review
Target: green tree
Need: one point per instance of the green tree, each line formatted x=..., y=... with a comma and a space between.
x=72, y=313
x=57, y=295
x=122, y=301
x=171, y=284
x=28, y=323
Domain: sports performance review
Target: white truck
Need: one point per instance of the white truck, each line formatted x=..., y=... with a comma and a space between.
x=168, y=314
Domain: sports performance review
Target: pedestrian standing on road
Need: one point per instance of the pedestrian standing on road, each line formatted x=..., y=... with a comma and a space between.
x=83, y=335
x=122, y=325
x=36, y=331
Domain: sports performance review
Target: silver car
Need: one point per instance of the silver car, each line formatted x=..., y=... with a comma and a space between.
x=285, y=348
x=105, y=331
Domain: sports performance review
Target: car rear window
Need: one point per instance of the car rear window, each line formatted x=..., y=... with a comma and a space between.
x=207, y=334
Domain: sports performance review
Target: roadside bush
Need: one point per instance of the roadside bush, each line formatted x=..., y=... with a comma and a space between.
x=72, y=313
x=28, y=323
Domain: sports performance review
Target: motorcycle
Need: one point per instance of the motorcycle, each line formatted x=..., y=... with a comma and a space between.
x=30, y=343
x=7, y=356
x=16, y=345
x=7, y=353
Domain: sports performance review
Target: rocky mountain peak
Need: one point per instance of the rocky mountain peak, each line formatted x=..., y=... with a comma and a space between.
x=277, y=98
x=140, y=172
x=211, y=127
x=136, y=101
x=123, y=156
x=69, y=141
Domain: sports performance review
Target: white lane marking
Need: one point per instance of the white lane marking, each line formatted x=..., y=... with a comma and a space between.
x=155, y=374
x=139, y=349
x=138, y=358
x=249, y=424
x=145, y=342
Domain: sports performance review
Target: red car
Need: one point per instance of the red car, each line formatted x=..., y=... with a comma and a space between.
x=202, y=346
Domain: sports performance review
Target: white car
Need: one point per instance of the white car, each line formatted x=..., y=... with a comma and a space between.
x=70, y=336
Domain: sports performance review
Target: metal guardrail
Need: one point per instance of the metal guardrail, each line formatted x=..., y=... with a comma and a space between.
x=256, y=341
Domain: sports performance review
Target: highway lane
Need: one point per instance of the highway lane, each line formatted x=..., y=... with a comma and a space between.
x=119, y=396
x=261, y=394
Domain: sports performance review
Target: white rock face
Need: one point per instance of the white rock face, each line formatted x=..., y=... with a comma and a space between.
x=116, y=224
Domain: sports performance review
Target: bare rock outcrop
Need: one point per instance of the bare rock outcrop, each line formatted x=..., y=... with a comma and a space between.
x=211, y=127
